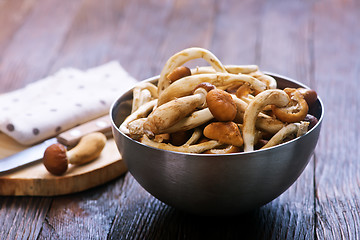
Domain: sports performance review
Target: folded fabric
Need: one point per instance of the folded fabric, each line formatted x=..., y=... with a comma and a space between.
x=70, y=97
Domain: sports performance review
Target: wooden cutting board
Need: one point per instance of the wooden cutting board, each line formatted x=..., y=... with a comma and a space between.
x=35, y=180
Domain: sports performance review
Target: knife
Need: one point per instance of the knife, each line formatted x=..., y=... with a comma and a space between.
x=68, y=138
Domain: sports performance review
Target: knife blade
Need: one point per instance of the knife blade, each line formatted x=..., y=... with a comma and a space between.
x=68, y=138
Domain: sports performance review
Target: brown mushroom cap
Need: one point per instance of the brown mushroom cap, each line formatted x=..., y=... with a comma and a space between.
x=205, y=85
x=178, y=73
x=310, y=95
x=225, y=132
x=295, y=111
x=55, y=159
x=221, y=105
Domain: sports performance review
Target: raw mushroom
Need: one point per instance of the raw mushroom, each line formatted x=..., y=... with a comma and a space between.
x=184, y=56
x=168, y=114
x=271, y=96
x=295, y=110
x=178, y=73
x=243, y=91
x=141, y=112
x=263, y=122
x=195, y=119
x=221, y=105
x=268, y=124
x=143, y=93
x=234, y=69
x=185, y=86
x=294, y=128
x=196, y=148
x=228, y=149
x=56, y=158
x=270, y=81
x=309, y=95
x=225, y=132
x=136, y=128
x=194, y=137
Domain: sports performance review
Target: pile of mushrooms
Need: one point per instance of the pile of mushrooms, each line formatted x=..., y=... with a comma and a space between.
x=216, y=109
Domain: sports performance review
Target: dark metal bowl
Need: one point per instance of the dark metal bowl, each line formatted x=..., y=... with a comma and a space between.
x=209, y=184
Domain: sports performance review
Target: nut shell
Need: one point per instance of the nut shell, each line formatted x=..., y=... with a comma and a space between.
x=55, y=159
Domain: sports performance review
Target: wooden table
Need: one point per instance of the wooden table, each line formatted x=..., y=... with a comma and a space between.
x=315, y=42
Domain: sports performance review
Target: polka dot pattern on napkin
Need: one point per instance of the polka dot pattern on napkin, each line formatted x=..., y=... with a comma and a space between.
x=59, y=102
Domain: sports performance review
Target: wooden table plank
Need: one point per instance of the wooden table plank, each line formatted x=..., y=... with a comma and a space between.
x=284, y=49
x=140, y=35
x=314, y=42
x=278, y=43
x=27, y=58
x=22, y=217
x=12, y=15
x=85, y=215
x=75, y=54
x=237, y=31
x=90, y=38
x=36, y=44
x=336, y=47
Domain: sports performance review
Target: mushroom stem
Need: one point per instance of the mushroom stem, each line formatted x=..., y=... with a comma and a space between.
x=234, y=69
x=141, y=112
x=295, y=111
x=294, y=128
x=89, y=148
x=142, y=93
x=270, y=81
x=194, y=137
x=56, y=158
x=272, y=96
x=194, y=120
x=184, y=86
x=184, y=56
x=263, y=121
x=172, y=112
x=197, y=148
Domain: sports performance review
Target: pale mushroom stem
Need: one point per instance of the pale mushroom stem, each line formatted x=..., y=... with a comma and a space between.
x=272, y=96
x=170, y=113
x=294, y=128
x=184, y=56
x=197, y=148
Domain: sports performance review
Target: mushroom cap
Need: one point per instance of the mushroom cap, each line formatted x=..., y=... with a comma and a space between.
x=310, y=95
x=225, y=132
x=295, y=111
x=178, y=73
x=55, y=159
x=221, y=105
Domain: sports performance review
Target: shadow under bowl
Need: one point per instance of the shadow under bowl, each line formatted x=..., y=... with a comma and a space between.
x=209, y=184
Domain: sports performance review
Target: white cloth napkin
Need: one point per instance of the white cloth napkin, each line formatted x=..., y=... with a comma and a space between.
x=59, y=102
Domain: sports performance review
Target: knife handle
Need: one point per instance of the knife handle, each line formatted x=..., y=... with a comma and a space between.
x=71, y=137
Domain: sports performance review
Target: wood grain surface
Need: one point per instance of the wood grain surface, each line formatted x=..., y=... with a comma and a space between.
x=315, y=42
x=34, y=180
